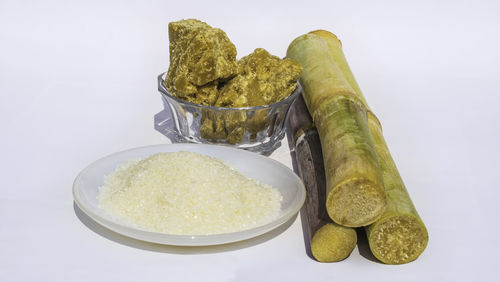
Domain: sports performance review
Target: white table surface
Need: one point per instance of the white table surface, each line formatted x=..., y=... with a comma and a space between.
x=78, y=81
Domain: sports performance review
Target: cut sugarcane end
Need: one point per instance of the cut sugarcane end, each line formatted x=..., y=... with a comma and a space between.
x=332, y=243
x=398, y=239
x=326, y=34
x=356, y=203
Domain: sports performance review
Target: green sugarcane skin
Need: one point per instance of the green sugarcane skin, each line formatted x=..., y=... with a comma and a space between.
x=335, y=49
x=321, y=78
x=355, y=195
x=329, y=241
x=399, y=235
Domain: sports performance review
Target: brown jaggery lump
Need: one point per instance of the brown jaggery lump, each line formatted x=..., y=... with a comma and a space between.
x=203, y=70
x=200, y=58
x=224, y=125
x=262, y=79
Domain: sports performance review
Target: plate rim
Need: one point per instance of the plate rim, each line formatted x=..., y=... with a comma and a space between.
x=188, y=240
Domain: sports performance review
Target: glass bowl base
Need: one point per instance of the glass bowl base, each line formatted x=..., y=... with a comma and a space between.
x=164, y=123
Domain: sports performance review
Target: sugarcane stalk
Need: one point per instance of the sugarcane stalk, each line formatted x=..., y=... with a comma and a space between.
x=355, y=194
x=327, y=241
x=335, y=49
x=399, y=235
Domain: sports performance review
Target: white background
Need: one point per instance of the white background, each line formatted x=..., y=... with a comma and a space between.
x=78, y=82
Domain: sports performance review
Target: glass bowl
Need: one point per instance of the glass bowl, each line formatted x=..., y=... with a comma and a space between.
x=258, y=129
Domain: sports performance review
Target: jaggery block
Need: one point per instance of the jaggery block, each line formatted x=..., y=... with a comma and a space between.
x=199, y=55
x=262, y=79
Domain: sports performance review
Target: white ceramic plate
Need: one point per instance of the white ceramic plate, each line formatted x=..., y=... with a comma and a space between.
x=264, y=169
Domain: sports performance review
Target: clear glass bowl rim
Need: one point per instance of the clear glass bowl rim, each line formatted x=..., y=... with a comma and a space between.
x=164, y=91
